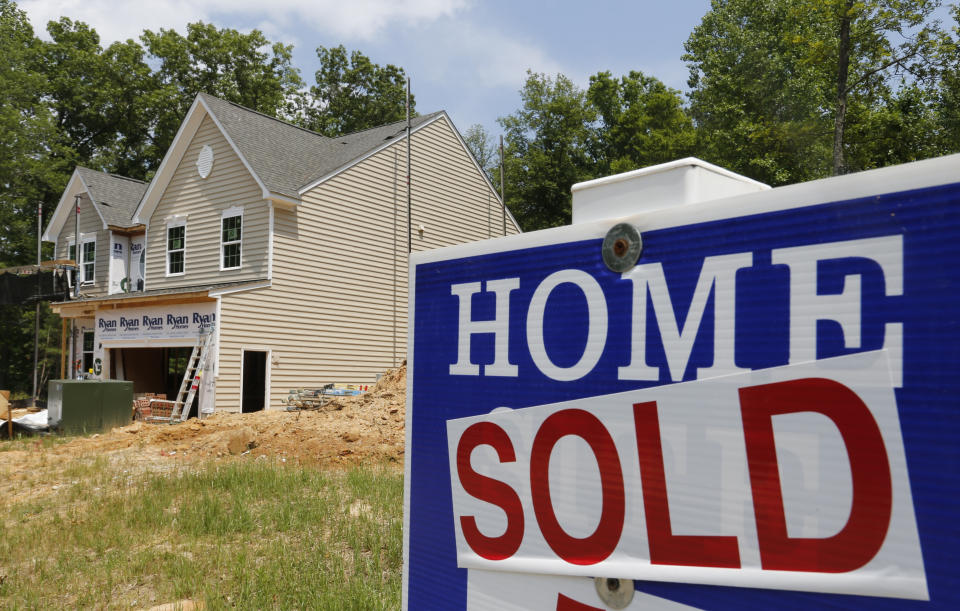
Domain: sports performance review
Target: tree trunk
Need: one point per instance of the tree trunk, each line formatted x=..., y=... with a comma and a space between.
x=843, y=70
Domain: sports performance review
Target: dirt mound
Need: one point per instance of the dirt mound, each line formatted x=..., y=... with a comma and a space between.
x=347, y=430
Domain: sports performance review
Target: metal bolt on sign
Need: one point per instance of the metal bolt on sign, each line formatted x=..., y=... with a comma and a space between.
x=621, y=247
x=615, y=593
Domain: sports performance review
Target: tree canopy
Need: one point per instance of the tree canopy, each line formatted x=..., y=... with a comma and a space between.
x=642, y=122
x=781, y=91
x=564, y=134
x=786, y=90
x=353, y=93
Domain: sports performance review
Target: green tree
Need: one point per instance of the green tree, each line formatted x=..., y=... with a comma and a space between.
x=243, y=68
x=352, y=93
x=484, y=150
x=784, y=90
x=642, y=122
x=550, y=142
x=99, y=98
x=947, y=102
x=900, y=127
x=28, y=135
x=758, y=104
x=863, y=45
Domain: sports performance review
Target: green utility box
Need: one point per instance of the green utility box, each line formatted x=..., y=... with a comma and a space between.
x=89, y=406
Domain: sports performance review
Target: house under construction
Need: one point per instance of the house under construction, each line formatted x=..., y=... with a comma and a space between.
x=290, y=248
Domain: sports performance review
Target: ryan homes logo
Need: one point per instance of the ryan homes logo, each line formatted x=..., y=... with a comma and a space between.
x=153, y=323
x=178, y=322
x=107, y=326
x=129, y=325
x=204, y=321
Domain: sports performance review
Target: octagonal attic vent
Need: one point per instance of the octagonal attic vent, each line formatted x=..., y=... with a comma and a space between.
x=205, y=161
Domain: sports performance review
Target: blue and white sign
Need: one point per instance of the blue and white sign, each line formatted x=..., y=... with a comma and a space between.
x=763, y=412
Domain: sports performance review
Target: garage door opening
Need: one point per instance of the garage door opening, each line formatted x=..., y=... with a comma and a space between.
x=254, y=380
x=155, y=371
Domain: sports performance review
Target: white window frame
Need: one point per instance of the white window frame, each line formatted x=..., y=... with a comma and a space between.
x=235, y=211
x=174, y=221
x=78, y=256
x=84, y=279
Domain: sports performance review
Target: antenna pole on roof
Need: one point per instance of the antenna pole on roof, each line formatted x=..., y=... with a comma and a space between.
x=409, y=199
x=36, y=316
x=503, y=195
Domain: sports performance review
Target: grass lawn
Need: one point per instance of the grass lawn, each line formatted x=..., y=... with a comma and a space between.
x=247, y=534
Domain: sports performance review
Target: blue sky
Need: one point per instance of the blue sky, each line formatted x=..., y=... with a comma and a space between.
x=468, y=57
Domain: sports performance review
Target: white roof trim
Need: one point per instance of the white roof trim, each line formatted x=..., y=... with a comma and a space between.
x=178, y=148
x=666, y=167
x=164, y=172
x=366, y=155
x=61, y=213
x=280, y=199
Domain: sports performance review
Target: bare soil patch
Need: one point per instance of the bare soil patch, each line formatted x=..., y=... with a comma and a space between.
x=368, y=428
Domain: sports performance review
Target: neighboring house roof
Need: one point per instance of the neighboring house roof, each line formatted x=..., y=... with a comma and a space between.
x=286, y=157
x=115, y=197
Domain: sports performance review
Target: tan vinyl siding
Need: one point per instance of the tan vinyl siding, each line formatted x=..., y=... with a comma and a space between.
x=336, y=310
x=203, y=200
x=90, y=223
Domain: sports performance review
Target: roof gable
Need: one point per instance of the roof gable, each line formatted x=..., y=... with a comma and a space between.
x=280, y=154
x=288, y=158
x=174, y=155
x=114, y=198
x=284, y=160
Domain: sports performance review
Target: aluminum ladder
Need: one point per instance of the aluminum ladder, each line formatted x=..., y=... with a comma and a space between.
x=192, y=376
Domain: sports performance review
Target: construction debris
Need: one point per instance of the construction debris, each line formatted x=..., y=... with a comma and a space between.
x=367, y=428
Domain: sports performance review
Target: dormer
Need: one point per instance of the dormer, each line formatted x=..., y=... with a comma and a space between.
x=106, y=232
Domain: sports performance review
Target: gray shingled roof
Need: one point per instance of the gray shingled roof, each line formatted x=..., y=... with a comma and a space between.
x=116, y=197
x=287, y=157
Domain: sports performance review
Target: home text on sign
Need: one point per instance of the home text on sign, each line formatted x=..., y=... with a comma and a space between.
x=717, y=278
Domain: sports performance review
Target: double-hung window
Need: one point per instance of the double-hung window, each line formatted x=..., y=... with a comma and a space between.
x=176, y=246
x=88, y=264
x=231, y=225
x=88, y=258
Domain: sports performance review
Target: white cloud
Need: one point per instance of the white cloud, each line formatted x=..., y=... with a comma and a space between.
x=491, y=58
x=349, y=19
